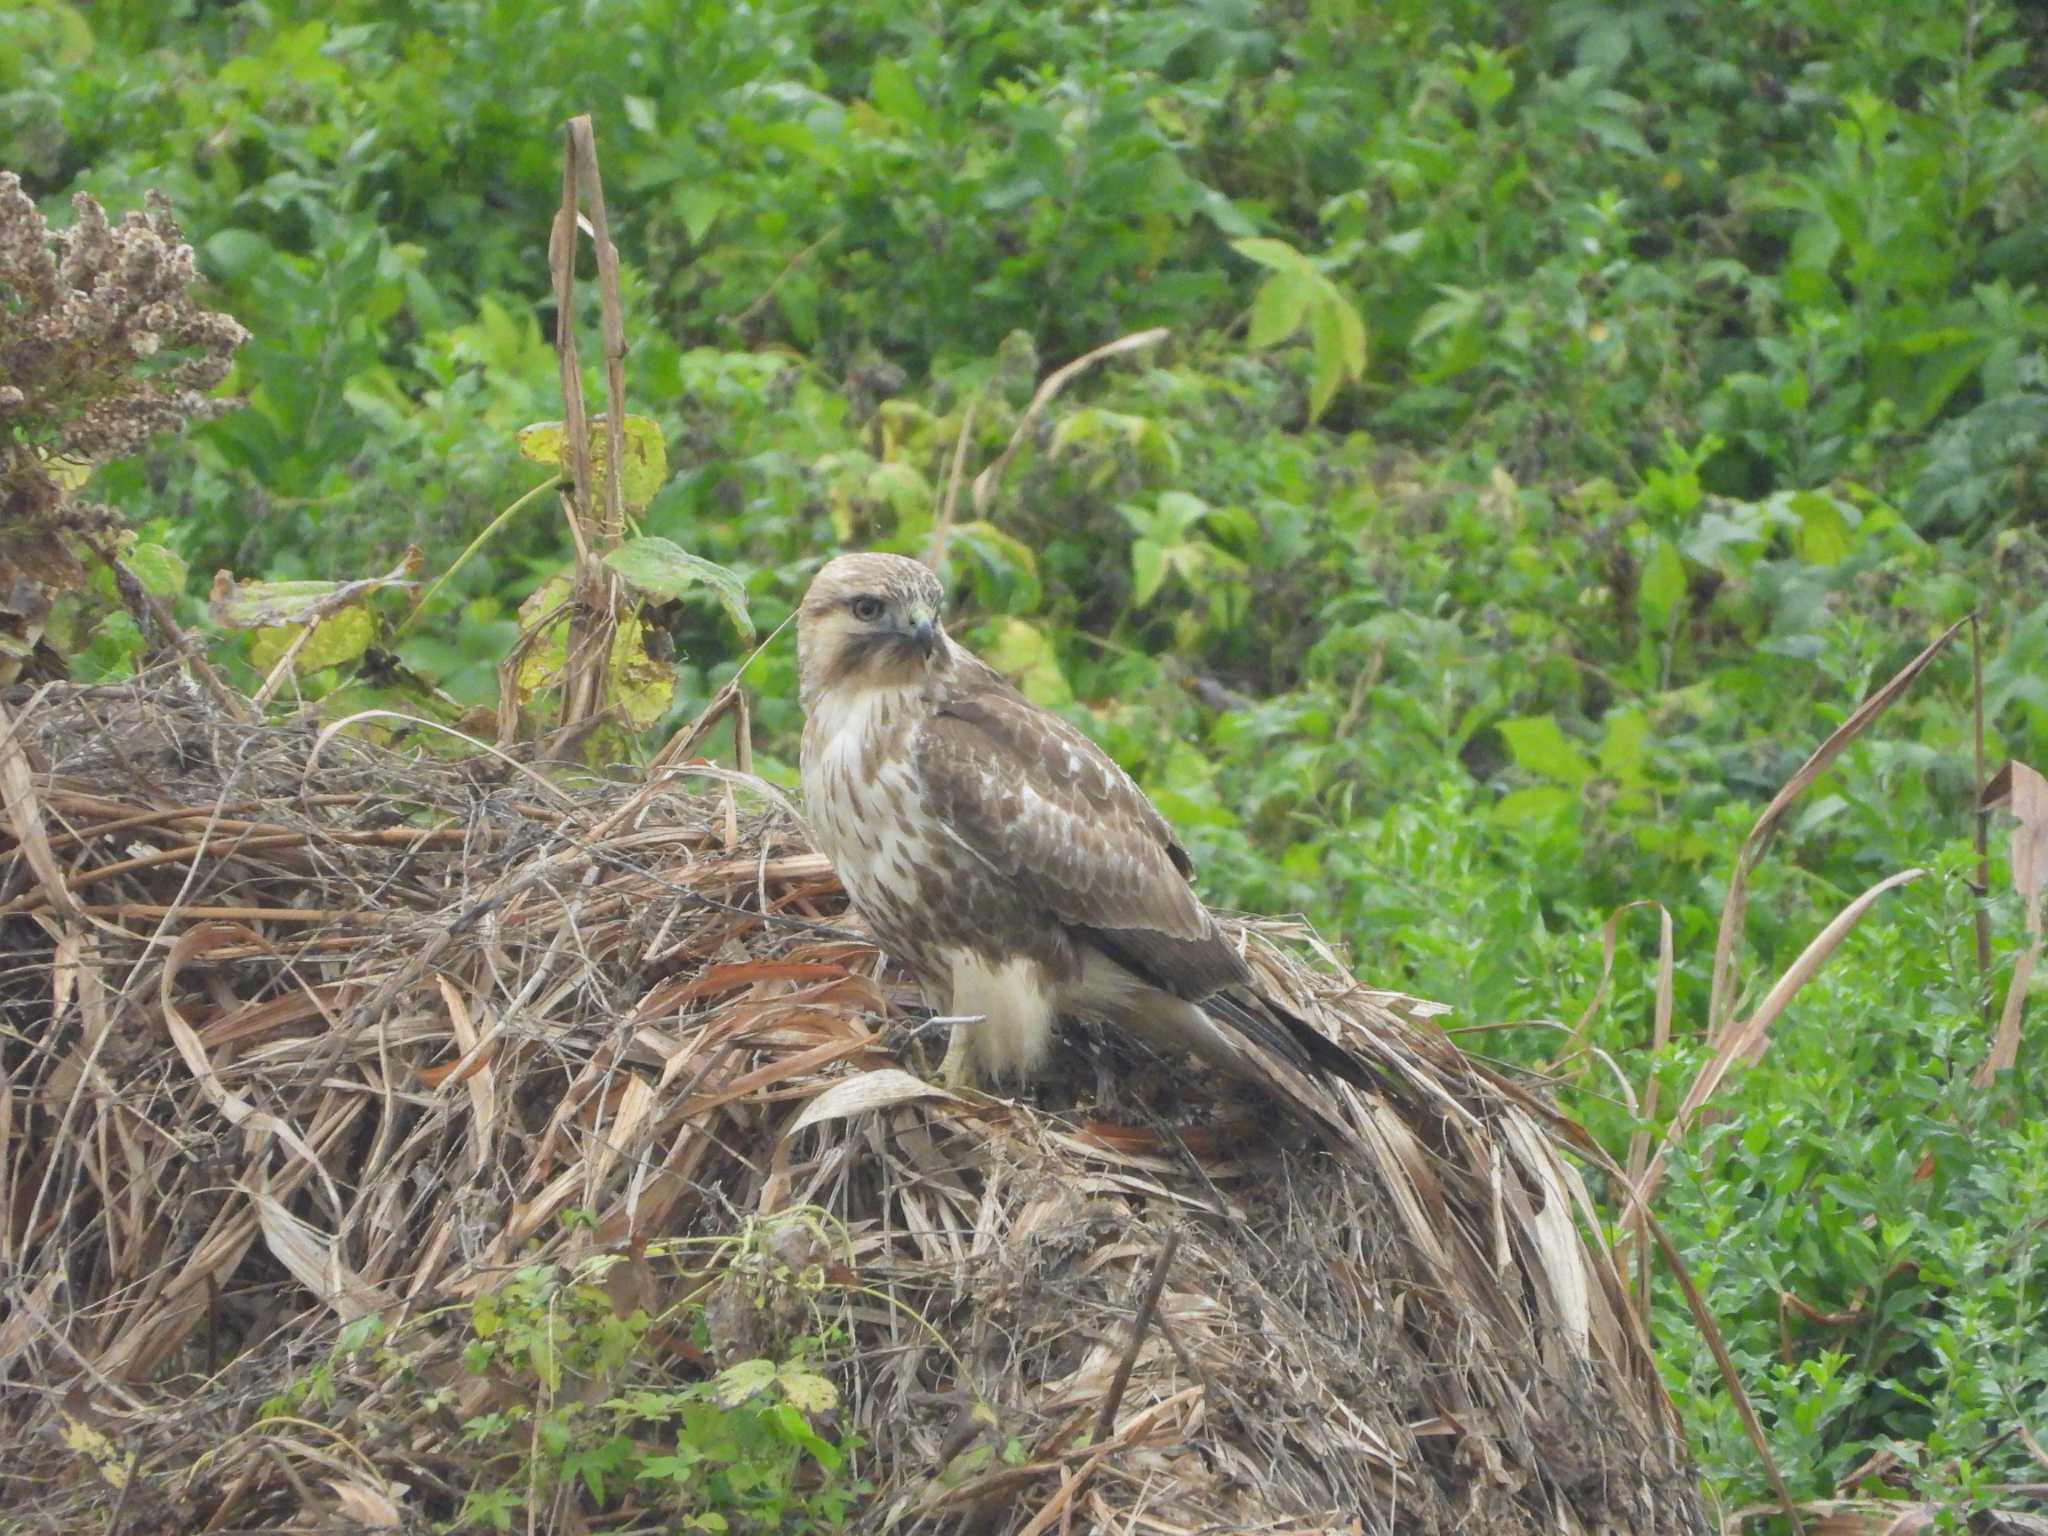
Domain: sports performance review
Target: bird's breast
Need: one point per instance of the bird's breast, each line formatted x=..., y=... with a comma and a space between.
x=867, y=809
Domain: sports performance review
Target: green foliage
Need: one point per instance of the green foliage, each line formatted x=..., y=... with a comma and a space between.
x=582, y=1407
x=1707, y=380
x=735, y=1452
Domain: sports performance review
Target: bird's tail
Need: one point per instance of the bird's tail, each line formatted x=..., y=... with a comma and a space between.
x=1286, y=1035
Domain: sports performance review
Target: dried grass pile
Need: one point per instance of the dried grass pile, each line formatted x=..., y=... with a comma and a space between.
x=296, y=1030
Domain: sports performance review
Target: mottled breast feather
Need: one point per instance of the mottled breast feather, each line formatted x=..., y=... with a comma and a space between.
x=1045, y=807
x=920, y=888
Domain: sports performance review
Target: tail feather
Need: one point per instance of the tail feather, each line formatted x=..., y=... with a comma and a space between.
x=1291, y=1038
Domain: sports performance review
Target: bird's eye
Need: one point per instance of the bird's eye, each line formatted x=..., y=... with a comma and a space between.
x=867, y=609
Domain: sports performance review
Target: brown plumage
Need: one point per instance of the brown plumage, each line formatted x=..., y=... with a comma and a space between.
x=1002, y=856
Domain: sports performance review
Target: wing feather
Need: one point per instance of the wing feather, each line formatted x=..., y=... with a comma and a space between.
x=1041, y=803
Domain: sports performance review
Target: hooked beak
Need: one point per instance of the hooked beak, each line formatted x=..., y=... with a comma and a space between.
x=924, y=634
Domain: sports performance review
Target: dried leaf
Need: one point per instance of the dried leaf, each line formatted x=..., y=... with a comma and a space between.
x=367, y=1508
x=879, y=1089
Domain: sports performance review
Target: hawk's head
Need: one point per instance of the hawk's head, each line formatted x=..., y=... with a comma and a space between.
x=870, y=621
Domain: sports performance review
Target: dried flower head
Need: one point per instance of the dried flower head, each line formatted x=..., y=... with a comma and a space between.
x=101, y=348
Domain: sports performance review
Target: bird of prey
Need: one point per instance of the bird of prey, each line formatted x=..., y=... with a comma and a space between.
x=1003, y=858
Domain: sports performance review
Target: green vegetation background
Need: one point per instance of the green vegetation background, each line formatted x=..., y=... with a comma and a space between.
x=1572, y=410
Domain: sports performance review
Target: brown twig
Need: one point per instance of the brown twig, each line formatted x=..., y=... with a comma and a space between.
x=942, y=530
x=142, y=602
x=593, y=606
x=738, y=320
x=1146, y=1306
x=986, y=482
x=1721, y=997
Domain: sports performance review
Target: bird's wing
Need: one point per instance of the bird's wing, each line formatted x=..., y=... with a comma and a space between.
x=1047, y=808
x=1044, y=807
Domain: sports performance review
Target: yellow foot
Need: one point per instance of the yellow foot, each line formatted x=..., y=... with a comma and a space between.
x=957, y=1070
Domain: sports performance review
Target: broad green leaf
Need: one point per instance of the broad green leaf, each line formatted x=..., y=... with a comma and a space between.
x=895, y=94
x=646, y=455
x=666, y=569
x=899, y=486
x=1328, y=375
x=1457, y=308
x=1224, y=214
x=160, y=570
x=1662, y=587
x=736, y=1383
x=1824, y=537
x=700, y=207
x=1541, y=746
x=1019, y=650
x=1624, y=745
x=235, y=253
x=547, y=1364
x=336, y=640
x=1279, y=308
x=1524, y=805
x=1350, y=332
x=1276, y=254
x=1005, y=557
x=542, y=663
x=642, y=686
x=1148, y=570
x=1179, y=512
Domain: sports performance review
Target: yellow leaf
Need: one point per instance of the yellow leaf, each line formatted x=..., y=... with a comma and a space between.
x=112, y=1464
x=644, y=452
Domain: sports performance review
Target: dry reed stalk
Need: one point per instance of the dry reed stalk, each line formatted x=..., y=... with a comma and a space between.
x=1721, y=1002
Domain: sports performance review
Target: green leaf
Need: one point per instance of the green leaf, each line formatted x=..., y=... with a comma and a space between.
x=1019, y=650
x=542, y=663
x=642, y=686
x=547, y=1365
x=1279, y=308
x=1525, y=805
x=1148, y=570
x=160, y=570
x=700, y=207
x=235, y=253
x=735, y=1384
x=1540, y=745
x=895, y=94
x=1328, y=375
x=666, y=569
x=1624, y=745
x=1350, y=332
x=646, y=455
x=1824, y=537
x=1662, y=587
x=336, y=640
x=1276, y=254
